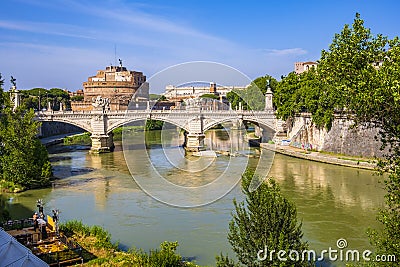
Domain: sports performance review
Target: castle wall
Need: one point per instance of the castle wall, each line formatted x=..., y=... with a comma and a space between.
x=342, y=138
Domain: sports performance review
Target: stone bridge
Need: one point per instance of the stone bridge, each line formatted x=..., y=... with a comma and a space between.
x=101, y=123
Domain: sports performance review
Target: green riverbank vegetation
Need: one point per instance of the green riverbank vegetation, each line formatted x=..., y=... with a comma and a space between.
x=84, y=139
x=24, y=162
x=357, y=77
x=100, y=251
x=265, y=219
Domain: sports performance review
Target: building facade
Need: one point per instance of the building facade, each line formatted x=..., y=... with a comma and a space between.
x=115, y=83
x=177, y=93
x=300, y=67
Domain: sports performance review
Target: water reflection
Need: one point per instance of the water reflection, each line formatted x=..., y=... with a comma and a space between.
x=332, y=201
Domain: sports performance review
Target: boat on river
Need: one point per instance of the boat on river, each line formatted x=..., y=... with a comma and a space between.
x=205, y=153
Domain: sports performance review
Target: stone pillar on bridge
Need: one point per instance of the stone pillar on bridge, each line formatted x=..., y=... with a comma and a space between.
x=101, y=140
x=194, y=140
x=238, y=125
x=102, y=143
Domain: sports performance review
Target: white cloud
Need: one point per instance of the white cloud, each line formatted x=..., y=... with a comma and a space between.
x=146, y=42
x=47, y=28
x=285, y=52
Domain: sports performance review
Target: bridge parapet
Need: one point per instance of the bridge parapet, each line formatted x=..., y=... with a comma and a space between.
x=100, y=123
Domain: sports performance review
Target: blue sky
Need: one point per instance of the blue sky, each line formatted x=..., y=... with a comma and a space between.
x=60, y=43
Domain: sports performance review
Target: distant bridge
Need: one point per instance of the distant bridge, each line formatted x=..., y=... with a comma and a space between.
x=101, y=123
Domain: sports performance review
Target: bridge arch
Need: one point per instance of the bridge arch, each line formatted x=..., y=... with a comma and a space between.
x=232, y=119
x=85, y=127
x=130, y=120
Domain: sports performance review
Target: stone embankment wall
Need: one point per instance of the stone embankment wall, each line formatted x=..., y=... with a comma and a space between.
x=56, y=128
x=341, y=138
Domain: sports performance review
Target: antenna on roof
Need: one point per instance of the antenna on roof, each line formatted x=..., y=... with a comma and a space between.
x=115, y=54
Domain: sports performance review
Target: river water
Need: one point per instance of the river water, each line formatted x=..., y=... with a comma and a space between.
x=332, y=202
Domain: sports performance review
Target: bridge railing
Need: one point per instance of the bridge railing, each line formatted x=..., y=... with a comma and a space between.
x=169, y=111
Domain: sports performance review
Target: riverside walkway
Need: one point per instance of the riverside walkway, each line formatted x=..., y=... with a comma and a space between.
x=342, y=160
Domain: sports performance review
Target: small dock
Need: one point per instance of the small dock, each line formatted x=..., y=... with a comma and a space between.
x=55, y=250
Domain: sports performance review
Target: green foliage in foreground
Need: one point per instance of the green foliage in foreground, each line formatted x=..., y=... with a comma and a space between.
x=98, y=242
x=265, y=219
x=358, y=76
x=24, y=160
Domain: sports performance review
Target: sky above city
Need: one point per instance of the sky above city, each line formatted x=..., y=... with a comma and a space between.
x=60, y=43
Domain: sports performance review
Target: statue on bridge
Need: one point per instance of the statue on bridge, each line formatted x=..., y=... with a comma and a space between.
x=100, y=103
x=193, y=103
x=15, y=96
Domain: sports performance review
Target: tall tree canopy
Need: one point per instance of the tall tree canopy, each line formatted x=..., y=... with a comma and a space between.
x=359, y=76
x=265, y=220
x=252, y=97
x=344, y=80
x=23, y=159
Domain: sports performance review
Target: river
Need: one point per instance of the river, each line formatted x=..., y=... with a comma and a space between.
x=332, y=202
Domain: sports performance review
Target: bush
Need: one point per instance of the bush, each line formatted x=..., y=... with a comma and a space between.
x=265, y=219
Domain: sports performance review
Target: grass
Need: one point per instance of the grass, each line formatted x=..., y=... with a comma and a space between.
x=102, y=252
x=11, y=187
x=78, y=139
x=347, y=157
x=84, y=139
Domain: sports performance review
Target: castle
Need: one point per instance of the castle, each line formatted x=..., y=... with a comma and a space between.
x=117, y=84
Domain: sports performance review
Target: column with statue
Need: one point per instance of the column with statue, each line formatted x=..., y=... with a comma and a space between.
x=268, y=97
x=15, y=95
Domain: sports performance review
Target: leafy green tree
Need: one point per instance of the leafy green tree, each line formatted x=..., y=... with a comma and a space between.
x=383, y=111
x=157, y=97
x=77, y=98
x=265, y=220
x=24, y=160
x=154, y=125
x=261, y=82
x=359, y=77
x=252, y=97
x=212, y=96
x=54, y=96
x=287, y=97
x=343, y=81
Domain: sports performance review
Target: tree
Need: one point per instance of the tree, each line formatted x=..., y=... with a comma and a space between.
x=54, y=96
x=252, y=97
x=359, y=77
x=265, y=220
x=383, y=111
x=77, y=98
x=345, y=75
x=157, y=97
x=363, y=73
x=211, y=96
x=24, y=160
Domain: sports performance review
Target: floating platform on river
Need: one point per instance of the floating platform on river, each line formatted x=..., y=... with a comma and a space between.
x=205, y=153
